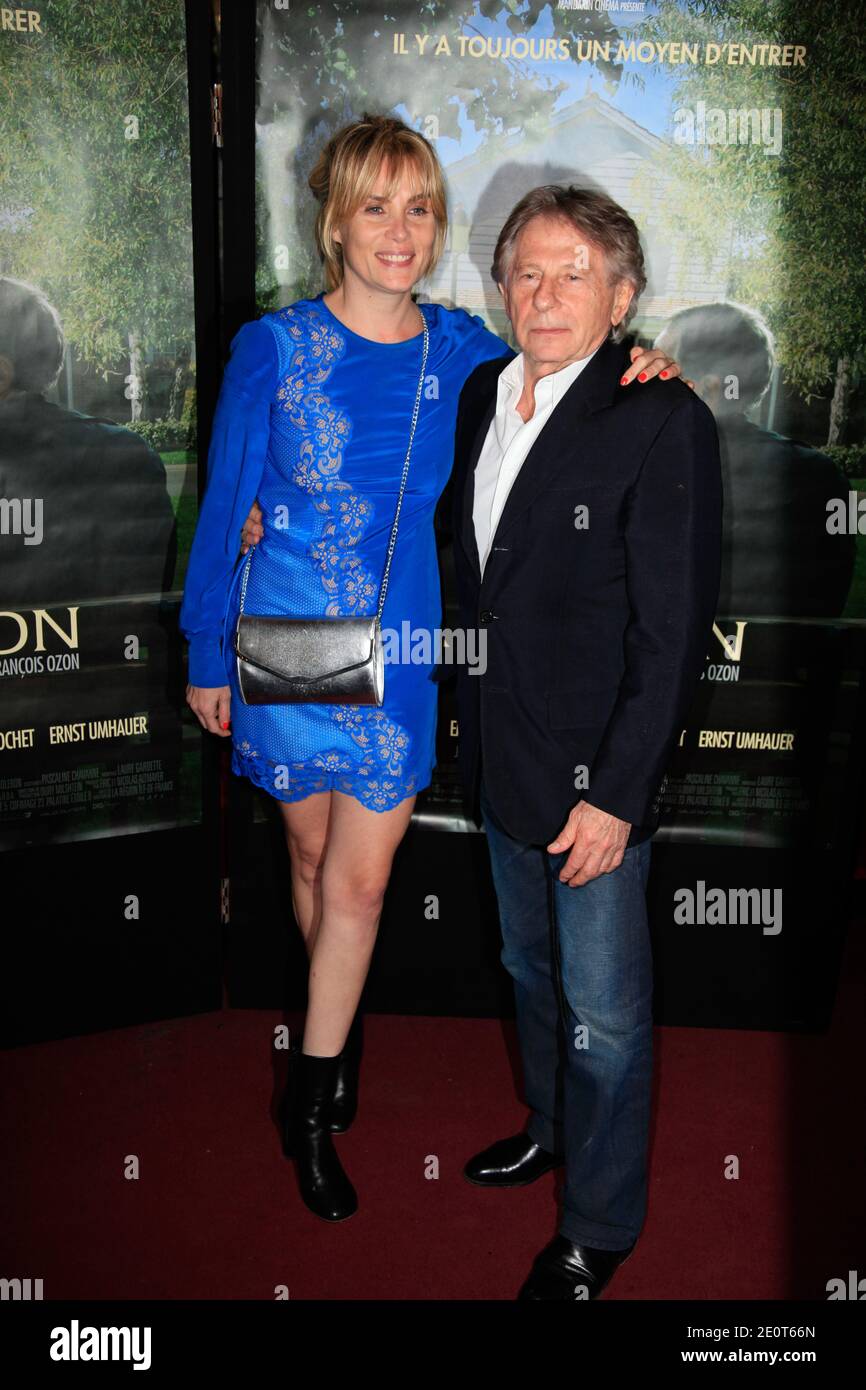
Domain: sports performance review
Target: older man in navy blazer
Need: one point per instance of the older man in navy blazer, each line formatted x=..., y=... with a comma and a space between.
x=587, y=529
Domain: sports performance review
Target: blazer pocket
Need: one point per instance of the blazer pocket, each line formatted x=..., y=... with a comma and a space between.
x=581, y=708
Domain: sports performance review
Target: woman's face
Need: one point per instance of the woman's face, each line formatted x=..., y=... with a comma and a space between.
x=387, y=242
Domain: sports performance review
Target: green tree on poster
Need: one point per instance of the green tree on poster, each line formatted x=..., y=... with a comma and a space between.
x=332, y=64
x=797, y=218
x=325, y=63
x=94, y=179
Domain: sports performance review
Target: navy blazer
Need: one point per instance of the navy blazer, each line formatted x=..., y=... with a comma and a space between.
x=597, y=600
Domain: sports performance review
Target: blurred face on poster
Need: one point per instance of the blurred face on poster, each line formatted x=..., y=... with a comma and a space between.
x=387, y=243
x=559, y=296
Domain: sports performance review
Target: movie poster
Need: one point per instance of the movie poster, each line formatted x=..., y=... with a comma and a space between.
x=735, y=135
x=97, y=412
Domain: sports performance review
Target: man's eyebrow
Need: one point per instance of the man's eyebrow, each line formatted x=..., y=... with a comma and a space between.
x=567, y=262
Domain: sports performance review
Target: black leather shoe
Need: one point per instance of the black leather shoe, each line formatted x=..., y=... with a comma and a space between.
x=512, y=1162
x=575, y=1272
x=344, y=1103
x=304, y=1118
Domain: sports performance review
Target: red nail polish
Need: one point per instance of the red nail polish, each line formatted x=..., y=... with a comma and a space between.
x=662, y=373
x=623, y=381
x=223, y=726
x=642, y=376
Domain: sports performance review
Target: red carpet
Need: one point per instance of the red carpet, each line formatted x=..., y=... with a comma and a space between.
x=215, y=1212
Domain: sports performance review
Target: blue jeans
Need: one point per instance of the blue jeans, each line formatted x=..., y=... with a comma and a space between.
x=581, y=963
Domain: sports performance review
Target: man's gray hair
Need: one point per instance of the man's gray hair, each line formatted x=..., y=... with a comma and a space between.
x=30, y=334
x=723, y=339
x=597, y=218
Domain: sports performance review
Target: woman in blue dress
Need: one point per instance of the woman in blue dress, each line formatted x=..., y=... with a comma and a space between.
x=313, y=420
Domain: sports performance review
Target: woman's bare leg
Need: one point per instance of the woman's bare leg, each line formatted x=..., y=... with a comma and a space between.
x=306, y=829
x=357, y=865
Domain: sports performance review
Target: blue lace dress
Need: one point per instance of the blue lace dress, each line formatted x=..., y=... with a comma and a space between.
x=314, y=421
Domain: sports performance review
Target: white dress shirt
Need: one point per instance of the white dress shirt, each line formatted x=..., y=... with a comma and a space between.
x=509, y=440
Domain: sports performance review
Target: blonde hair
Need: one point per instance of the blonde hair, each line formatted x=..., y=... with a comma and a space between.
x=347, y=169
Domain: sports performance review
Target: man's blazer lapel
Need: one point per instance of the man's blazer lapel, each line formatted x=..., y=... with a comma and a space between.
x=594, y=389
x=467, y=528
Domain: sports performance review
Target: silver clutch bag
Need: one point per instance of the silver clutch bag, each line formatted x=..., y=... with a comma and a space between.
x=318, y=660
x=314, y=660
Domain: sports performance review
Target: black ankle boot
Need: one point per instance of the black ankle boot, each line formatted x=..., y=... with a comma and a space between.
x=344, y=1103
x=325, y=1188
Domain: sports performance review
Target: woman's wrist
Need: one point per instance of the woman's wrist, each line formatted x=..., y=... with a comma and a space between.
x=206, y=667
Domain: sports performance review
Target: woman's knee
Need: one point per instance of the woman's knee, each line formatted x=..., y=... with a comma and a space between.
x=359, y=893
x=307, y=854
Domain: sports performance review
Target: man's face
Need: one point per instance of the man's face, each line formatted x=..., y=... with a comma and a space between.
x=558, y=296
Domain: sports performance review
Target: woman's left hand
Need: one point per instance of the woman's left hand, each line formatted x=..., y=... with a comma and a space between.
x=649, y=362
